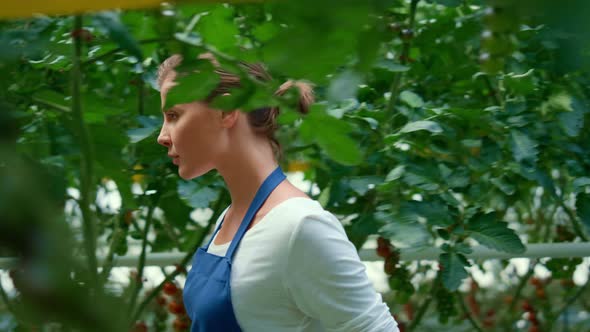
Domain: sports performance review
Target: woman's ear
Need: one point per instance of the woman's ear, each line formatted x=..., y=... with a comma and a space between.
x=229, y=118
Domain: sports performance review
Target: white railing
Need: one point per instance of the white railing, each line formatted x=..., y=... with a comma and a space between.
x=537, y=250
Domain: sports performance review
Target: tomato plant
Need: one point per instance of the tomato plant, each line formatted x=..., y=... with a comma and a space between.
x=440, y=123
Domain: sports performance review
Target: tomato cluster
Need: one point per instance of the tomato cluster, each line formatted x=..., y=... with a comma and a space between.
x=169, y=301
x=176, y=306
x=531, y=316
x=539, y=288
x=399, y=276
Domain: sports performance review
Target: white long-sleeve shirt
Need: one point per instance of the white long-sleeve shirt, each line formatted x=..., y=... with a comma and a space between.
x=296, y=271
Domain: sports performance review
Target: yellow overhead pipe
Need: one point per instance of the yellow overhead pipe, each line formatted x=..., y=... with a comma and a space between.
x=11, y=9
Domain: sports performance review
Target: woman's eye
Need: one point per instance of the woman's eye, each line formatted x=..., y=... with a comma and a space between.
x=171, y=116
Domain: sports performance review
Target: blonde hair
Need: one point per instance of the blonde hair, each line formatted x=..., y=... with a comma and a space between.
x=263, y=120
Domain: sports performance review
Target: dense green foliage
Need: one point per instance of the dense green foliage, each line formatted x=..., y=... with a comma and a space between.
x=439, y=123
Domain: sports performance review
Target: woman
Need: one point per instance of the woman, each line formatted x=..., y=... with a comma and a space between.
x=277, y=260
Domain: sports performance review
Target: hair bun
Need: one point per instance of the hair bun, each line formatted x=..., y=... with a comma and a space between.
x=306, y=96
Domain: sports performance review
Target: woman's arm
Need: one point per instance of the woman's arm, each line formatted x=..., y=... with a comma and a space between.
x=327, y=280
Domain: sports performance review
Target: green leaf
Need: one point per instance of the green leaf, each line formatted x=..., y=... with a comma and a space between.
x=124, y=188
x=443, y=233
x=395, y=173
x=118, y=32
x=523, y=147
x=448, y=3
x=195, y=196
x=430, y=126
x=111, y=140
x=392, y=66
x=176, y=211
x=344, y=86
x=314, y=43
x=506, y=187
x=453, y=271
x=189, y=38
x=463, y=249
x=139, y=134
x=331, y=135
x=572, y=119
x=219, y=30
x=196, y=80
x=360, y=184
x=494, y=234
x=52, y=98
x=580, y=183
x=435, y=213
x=150, y=124
x=459, y=178
x=411, y=99
x=583, y=208
x=405, y=234
x=369, y=43
x=425, y=177
x=288, y=118
x=265, y=31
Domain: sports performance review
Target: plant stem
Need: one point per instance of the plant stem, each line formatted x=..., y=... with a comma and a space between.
x=86, y=159
x=466, y=312
x=574, y=221
x=138, y=284
x=118, y=232
x=495, y=92
x=569, y=302
x=548, y=224
x=521, y=285
x=149, y=297
x=170, y=232
x=395, y=84
x=518, y=292
x=420, y=313
x=141, y=96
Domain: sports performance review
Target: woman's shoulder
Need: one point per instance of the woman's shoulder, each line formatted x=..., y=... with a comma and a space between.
x=294, y=210
x=287, y=215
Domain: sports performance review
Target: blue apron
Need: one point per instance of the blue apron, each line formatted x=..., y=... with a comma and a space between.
x=207, y=294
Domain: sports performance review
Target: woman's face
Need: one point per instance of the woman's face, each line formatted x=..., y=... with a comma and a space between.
x=191, y=132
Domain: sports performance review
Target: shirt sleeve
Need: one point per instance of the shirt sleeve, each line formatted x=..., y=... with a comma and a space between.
x=328, y=282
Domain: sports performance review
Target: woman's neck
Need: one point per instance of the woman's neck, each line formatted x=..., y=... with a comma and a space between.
x=244, y=171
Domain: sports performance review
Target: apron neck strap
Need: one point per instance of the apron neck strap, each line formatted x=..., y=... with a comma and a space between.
x=271, y=182
x=216, y=230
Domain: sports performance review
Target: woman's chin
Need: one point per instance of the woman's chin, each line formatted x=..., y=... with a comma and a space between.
x=184, y=175
x=189, y=174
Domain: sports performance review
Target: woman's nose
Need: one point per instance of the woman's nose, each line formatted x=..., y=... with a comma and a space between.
x=164, y=138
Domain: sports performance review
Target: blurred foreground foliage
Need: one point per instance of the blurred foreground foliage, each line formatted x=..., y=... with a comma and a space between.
x=441, y=123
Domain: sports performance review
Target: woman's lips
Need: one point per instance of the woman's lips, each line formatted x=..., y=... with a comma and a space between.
x=176, y=160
